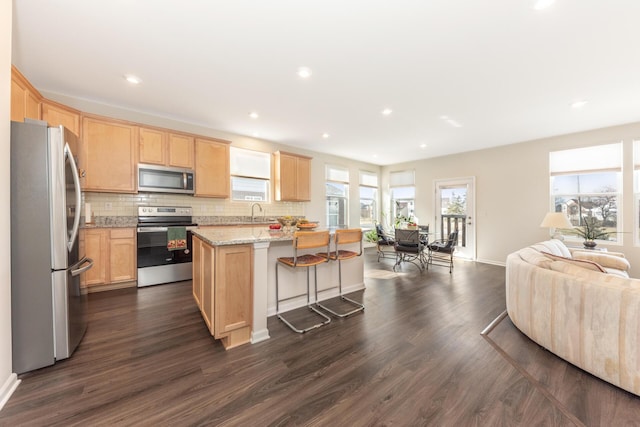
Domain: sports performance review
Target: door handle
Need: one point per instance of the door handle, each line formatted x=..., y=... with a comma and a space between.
x=81, y=270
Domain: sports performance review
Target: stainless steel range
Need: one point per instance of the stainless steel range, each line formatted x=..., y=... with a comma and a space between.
x=156, y=263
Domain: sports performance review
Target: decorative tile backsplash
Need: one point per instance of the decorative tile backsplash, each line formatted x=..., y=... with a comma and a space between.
x=109, y=204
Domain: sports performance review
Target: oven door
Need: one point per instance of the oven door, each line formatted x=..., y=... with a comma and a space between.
x=152, y=248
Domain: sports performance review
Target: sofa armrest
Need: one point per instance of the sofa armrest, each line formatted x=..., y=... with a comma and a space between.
x=605, y=259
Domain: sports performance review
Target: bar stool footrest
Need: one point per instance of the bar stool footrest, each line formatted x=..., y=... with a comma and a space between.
x=302, y=331
x=358, y=307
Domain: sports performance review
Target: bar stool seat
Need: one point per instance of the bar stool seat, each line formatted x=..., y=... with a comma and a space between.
x=343, y=237
x=304, y=240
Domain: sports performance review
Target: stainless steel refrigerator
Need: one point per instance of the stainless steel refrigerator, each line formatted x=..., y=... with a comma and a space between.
x=48, y=306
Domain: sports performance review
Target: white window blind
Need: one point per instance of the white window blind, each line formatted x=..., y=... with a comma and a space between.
x=600, y=158
x=402, y=178
x=368, y=179
x=249, y=163
x=337, y=174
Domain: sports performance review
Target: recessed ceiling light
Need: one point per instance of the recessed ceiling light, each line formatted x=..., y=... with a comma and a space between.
x=579, y=104
x=132, y=79
x=423, y=145
x=375, y=156
x=256, y=134
x=387, y=111
x=304, y=72
x=253, y=115
x=325, y=135
x=542, y=4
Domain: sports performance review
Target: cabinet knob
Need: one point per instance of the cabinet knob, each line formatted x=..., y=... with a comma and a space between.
x=83, y=173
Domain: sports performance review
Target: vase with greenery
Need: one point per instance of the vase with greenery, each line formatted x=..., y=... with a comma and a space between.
x=591, y=230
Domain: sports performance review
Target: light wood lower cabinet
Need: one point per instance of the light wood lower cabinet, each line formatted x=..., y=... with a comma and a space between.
x=223, y=290
x=113, y=251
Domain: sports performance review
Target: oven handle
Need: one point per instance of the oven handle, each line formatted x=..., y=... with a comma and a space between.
x=159, y=229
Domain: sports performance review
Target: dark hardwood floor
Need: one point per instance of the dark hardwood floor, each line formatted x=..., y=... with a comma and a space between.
x=414, y=357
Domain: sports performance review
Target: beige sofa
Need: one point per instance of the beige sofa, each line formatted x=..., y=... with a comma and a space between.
x=580, y=305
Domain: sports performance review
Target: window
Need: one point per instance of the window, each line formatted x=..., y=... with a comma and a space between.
x=250, y=173
x=586, y=183
x=368, y=199
x=403, y=194
x=337, y=182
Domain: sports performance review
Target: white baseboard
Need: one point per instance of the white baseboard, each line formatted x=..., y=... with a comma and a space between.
x=258, y=336
x=8, y=388
x=488, y=261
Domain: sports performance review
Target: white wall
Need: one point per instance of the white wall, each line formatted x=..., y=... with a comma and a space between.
x=8, y=380
x=512, y=189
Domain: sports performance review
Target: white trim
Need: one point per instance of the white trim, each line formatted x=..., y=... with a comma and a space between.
x=9, y=386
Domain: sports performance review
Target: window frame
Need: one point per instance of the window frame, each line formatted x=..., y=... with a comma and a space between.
x=259, y=174
x=337, y=176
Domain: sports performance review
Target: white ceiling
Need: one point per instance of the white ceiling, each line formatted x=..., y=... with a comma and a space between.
x=505, y=72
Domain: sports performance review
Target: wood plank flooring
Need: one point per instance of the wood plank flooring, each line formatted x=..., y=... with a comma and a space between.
x=414, y=357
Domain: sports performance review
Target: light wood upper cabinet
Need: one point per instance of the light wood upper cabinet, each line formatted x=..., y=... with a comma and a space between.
x=159, y=147
x=180, y=151
x=108, y=155
x=292, y=173
x=25, y=99
x=152, y=146
x=57, y=114
x=212, y=168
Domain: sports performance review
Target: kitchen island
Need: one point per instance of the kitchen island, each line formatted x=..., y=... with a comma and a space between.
x=234, y=280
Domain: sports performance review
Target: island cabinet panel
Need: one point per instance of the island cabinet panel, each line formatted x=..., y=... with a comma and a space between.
x=108, y=155
x=180, y=151
x=56, y=114
x=234, y=298
x=292, y=175
x=152, y=146
x=223, y=290
x=212, y=168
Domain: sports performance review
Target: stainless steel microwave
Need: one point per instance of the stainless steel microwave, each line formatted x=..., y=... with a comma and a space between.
x=163, y=179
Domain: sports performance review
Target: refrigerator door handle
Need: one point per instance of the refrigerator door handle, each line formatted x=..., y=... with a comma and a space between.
x=76, y=182
x=81, y=270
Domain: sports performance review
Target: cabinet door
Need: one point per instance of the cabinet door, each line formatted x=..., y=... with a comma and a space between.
x=207, y=258
x=57, y=115
x=288, y=176
x=32, y=106
x=180, y=151
x=18, y=94
x=96, y=248
x=153, y=146
x=303, y=179
x=233, y=288
x=108, y=155
x=122, y=255
x=212, y=168
x=196, y=281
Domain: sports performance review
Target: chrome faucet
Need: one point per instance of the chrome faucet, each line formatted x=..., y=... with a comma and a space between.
x=252, y=214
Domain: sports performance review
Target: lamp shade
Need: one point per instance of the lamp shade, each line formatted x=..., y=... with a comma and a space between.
x=556, y=220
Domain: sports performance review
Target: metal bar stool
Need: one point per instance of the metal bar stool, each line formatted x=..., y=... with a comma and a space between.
x=343, y=237
x=304, y=240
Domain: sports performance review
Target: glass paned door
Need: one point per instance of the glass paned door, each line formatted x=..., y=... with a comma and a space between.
x=454, y=208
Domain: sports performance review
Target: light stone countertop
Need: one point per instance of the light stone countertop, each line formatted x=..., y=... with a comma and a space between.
x=220, y=236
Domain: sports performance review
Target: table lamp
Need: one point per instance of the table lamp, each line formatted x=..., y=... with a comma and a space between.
x=555, y=220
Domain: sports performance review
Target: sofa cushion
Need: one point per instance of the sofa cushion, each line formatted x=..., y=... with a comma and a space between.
x=534, y=257
x=575, y=270
x=603, y=259
x=553, y=246
x=589, y=265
